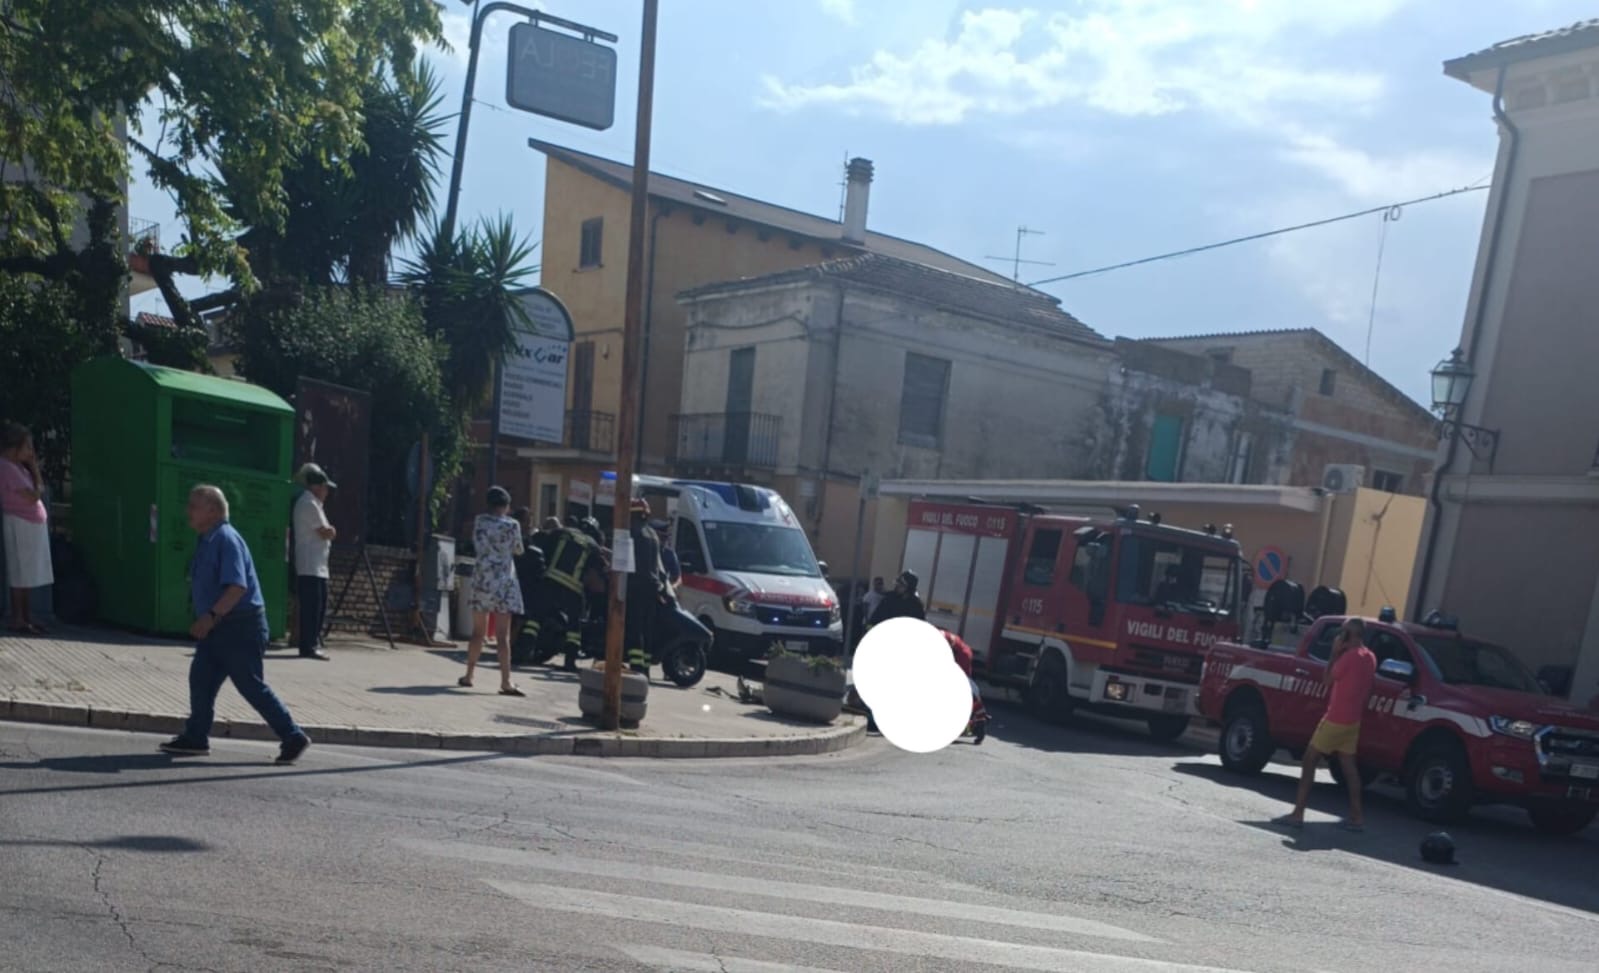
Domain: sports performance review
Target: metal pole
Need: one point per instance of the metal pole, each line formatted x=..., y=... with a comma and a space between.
x=494, y=422
x=627, y=416
x=452, y=201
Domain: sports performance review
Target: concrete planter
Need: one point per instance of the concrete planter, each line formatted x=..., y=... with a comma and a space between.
x=793, y=687
x=591, y=695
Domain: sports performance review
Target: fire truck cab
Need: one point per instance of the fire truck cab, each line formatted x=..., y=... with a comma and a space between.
x=1073, y=612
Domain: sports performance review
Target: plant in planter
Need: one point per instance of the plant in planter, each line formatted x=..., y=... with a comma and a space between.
x=591, y=694
x=804, y=687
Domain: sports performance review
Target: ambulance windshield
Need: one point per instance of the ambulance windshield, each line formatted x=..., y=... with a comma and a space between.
x=760, y=549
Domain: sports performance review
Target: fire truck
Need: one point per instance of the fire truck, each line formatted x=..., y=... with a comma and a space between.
x=1111, y=614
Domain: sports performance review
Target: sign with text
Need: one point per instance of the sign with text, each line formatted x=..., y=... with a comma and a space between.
x=561, y=76
x=533, y=374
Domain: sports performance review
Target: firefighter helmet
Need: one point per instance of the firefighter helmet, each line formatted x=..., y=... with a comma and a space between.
x=1438, y=848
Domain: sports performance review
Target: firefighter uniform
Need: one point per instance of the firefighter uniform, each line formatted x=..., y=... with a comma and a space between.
x=560, y=596
x=644, y=588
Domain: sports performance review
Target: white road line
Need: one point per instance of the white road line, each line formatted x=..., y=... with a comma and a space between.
x=746, y=885
x=680, y=961
x=826, y=932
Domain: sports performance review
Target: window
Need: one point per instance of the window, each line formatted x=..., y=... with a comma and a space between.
x=1160, y=572
x=921, y=401
x=588, y=254
x=1387, y=482
x=549, y=505
x=1165, y=449
x=1040, y=569
x=1222, y=356
x=1387, y=645
x=1321, y=649
x=1467, y=662
x=690, y=553
x=1238, y=471
x=759, y=549
x=1329, y=381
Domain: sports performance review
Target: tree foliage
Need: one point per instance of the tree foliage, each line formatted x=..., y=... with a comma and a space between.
x=367, y=339
x=41, y=341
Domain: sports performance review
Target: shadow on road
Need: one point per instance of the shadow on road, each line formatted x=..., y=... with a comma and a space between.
x=1496, y=846
x=155, y=843
x=1083, y=733
x=427, y=690
x=116, y=763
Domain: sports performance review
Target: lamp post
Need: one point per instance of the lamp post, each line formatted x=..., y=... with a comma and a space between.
x=1451, y=383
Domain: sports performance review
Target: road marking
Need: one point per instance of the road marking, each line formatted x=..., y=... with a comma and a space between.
x=681, y=961
x=746, y=885
x=828, y=932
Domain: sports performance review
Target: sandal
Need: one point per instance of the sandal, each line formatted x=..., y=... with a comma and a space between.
x=34, y=628
x=464, y=682
x=512, y=691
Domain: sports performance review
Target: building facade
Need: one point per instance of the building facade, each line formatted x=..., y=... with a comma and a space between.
x=1511, y=545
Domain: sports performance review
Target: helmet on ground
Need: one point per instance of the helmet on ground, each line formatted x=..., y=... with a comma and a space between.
x=1438, y=848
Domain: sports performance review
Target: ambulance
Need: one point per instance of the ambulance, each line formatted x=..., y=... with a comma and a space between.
x=749, y=572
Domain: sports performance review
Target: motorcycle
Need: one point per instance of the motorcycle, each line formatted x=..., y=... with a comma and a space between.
x=679, y=643
x=977, y=727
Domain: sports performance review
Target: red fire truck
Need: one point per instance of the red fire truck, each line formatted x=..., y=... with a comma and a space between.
x=1112, y=614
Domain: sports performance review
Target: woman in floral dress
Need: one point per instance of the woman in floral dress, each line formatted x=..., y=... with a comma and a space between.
x=497, y=540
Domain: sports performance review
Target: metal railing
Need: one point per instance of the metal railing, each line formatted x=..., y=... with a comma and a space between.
x=593, y=432
x=726, y=439
x=144, y=236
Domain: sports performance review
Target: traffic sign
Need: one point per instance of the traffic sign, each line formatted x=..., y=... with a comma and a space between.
x=1271, y=564
x=569, y=78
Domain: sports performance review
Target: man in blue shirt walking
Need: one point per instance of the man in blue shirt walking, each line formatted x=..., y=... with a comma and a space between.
x=231, y=630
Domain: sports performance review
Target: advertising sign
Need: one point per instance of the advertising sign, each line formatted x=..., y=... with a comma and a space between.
x=533, y=374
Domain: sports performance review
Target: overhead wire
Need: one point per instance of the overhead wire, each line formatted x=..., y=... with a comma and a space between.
x=1258, y=236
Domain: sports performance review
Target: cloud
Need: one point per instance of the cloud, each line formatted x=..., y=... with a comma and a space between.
x=1132, y=58
x=1374, y=178
x=843, y=10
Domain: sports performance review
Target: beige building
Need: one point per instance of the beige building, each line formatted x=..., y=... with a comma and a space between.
x=1344, y=414
x=695, y=235
x=1512, y=545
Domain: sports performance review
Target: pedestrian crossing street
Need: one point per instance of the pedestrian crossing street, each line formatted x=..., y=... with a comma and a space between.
x=661, y=916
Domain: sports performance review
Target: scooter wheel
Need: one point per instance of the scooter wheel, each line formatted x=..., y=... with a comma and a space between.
x=979, y=733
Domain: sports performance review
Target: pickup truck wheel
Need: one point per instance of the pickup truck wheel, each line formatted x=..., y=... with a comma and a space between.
x=1245, y=740
x=1555, y=819
x=1438, y=783
x=1048, y=698
x=1167, y=728
x=1367, y=775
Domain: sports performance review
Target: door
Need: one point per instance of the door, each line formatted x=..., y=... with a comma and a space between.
x=982, y=605
x=1304, y=694
x=1040, y=570
x=1382, y=741
x=740, y=397
x=946, y=590
x=1165, y=448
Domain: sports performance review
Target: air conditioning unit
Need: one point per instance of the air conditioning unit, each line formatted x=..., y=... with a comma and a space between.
x=1342, y=477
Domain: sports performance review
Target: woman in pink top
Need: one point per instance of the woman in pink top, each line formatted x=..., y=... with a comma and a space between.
x=26, y=533
x=1350, y=673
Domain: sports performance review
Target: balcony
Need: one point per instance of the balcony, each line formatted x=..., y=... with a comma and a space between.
x=586, y=432
x=743, y=440
x=144, y=238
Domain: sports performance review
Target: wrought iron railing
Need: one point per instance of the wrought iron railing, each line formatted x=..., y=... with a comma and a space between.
x=726, y=439
x=593, y=432
x=144, y=236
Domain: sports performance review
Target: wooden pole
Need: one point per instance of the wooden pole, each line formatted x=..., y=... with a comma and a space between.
x=628, y=413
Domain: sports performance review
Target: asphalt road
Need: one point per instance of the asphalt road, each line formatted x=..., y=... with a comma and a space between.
x=1086, y=848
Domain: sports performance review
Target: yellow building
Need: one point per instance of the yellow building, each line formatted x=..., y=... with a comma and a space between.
x=695, y=235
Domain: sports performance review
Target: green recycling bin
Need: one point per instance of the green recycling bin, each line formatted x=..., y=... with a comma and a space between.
x=142, y=437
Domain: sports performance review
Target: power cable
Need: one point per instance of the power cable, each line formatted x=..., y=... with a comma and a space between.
x=1258, y=236
x=1390, y=215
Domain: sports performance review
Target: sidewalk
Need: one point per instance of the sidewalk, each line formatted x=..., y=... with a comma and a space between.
x=370, y=695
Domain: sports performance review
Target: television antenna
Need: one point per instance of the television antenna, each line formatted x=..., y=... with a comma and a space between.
x=1016, y=260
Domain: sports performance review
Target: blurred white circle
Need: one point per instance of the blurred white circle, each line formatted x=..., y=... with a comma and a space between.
x=920, y=699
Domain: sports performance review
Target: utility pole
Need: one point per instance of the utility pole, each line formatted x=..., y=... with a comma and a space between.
x=627, y=416
x=1015, y=260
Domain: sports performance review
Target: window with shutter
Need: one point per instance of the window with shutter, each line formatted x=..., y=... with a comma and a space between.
x=921, y=402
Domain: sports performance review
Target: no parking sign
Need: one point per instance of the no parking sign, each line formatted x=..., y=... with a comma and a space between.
x=1271, y=564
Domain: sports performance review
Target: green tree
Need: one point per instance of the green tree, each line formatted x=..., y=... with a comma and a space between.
x=362, y=338
x=244, y=88
x=41, y=339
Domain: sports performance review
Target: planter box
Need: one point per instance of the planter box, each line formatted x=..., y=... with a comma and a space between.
x=591, y=694
x=794, y=688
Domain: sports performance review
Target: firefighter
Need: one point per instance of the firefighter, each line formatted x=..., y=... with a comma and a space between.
x=646, y=587
x=901, y=602
x=559, y=599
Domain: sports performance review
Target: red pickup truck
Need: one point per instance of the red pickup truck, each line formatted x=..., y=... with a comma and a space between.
x=1457, y=721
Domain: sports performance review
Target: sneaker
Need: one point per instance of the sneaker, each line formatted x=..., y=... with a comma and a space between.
x=185, y=747
x=291, y=750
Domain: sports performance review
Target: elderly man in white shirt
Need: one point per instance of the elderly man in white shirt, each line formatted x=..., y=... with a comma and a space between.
x=313, y=541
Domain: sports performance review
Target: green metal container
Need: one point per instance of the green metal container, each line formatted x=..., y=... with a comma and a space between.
x=142, y=437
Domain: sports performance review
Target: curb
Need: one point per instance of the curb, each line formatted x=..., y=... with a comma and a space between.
x=829, y=740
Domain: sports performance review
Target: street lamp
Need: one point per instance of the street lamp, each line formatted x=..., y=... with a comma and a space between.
x=1451, y=382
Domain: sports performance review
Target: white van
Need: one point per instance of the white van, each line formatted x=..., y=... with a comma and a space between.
x=748, y=569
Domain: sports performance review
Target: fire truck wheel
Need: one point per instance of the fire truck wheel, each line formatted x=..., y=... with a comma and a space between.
x=1438, y=782
x=1167, y=728
x=1367, y=775
x=1555, y=819
x=1048, y=698
x=1245, y=739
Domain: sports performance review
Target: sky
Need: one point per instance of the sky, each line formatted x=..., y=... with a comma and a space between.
x=1121, y=129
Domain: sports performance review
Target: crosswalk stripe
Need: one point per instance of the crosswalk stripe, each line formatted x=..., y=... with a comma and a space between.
x=746, y=885
x=681, y=961
x=828, y=932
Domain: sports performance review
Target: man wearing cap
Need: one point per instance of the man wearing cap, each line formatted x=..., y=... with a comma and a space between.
x=901, y=602
x=313, y=542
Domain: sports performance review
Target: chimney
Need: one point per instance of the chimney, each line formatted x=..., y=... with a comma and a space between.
x=858, y=176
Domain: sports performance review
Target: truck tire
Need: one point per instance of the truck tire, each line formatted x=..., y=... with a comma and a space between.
x=1558, y=819
x=1167, y=728
x=1438, y=783
x=1246, y=744
x=1048, y=697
